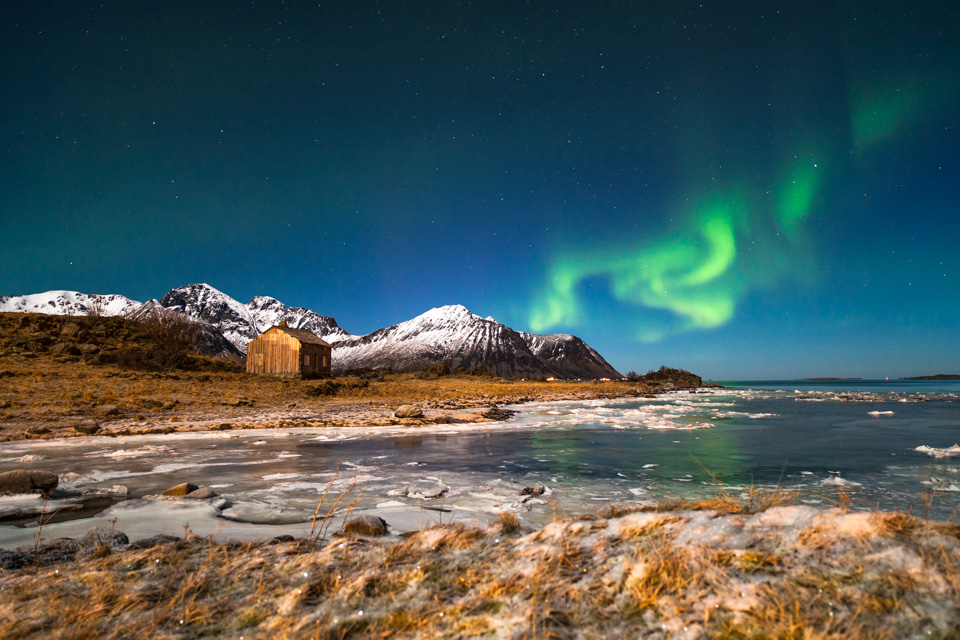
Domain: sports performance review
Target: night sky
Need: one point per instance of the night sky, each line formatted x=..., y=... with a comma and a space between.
x=743, y=189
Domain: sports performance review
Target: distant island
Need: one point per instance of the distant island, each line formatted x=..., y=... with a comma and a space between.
x=939, y=376
x=825, y=379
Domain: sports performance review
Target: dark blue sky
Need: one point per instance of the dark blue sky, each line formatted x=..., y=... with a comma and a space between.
x=751, y=189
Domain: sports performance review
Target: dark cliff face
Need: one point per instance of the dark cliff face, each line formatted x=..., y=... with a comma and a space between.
x=569, y=356
x=220, y=311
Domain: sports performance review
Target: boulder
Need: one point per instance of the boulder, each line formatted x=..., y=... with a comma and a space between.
x=181, y=490
x=70, y=329
x=87, y=427
x=38, y=430
x=24, y=481
x=368, y=525
x=286, y=537
x=65, y=349
x=498, y=414
x=427, y=489
x=201, y=494
x=109, y=410
x=408, y=411
x=149, y=543
x=533, y=492
x=101, y=536
x=89, y=350
x=101, y=542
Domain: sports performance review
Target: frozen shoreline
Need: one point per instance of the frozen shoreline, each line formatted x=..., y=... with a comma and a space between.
x=271, y=480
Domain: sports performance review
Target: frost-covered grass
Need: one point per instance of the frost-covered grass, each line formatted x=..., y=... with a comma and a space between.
x=699, y=572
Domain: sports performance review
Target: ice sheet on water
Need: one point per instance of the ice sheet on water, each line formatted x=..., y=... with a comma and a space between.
x=934, y=452
x=281, y=476
x=31, y=458
x=140, y=452
x=942, y=484
x=837, y=481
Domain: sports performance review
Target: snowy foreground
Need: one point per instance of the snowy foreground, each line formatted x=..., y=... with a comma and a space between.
x=710, y=570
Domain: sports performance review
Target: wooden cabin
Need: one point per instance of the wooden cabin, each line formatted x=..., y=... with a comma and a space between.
x=282, y=351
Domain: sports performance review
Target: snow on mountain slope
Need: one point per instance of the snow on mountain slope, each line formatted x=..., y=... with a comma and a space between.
x=69, y=303
x=450, y=335
x=240, y=323
x=569, y=356
x=267, y=312
x=203, y=302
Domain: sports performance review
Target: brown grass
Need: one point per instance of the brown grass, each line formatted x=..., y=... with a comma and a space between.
x=599, y=578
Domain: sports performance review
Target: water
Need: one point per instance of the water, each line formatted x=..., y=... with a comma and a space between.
x=851, y=442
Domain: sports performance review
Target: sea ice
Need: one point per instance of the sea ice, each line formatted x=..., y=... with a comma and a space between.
x=934, y=452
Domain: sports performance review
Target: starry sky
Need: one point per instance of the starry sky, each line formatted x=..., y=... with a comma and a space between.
x=744, y=189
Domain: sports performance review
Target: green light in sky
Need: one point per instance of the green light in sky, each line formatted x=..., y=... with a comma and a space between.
x=794, y=200
x=690, y=275
x=881, y=114
x=729, y=245
x=918, y=95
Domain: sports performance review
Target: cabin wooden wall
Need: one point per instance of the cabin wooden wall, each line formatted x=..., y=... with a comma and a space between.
x=274, y=352
x=277, y=353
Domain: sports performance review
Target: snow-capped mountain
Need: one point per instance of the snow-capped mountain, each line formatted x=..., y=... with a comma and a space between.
x=69, y=303
x=456, y=337
x=266, y=312
x=451, y=335
x=568, y=356
x=240, y=323
x=203, y=302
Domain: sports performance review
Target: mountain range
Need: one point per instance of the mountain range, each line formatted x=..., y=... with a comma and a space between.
x=450, y=335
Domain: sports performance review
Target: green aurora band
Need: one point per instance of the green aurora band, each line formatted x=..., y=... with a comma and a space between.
x=754, y=235
x=698, y=276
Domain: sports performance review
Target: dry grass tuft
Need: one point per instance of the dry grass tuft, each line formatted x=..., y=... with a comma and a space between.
x=508, y=523
x=899, y=525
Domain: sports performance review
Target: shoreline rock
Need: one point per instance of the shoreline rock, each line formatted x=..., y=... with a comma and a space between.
x=28, y=481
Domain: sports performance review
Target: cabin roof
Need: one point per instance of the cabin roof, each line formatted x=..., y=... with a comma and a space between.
x=304, y=336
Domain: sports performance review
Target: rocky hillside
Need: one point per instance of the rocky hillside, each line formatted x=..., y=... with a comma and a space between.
x=107, y=340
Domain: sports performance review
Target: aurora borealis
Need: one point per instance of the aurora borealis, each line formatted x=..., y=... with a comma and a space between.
x=747, y=190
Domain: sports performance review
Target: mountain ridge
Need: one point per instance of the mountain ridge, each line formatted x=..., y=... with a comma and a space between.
x=450, y=335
